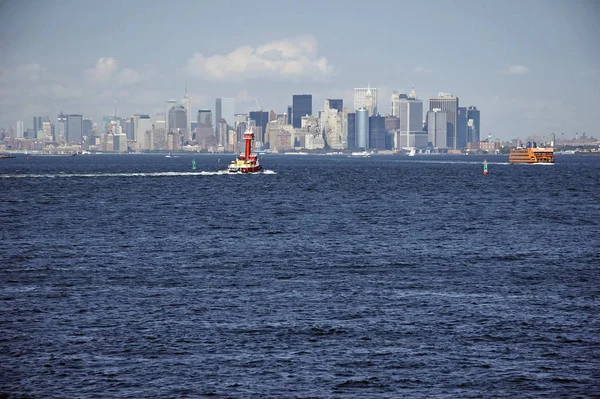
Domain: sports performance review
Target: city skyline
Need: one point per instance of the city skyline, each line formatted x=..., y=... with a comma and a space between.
x=522, y=76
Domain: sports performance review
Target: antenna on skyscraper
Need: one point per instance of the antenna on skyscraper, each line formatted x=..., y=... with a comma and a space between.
x=115, y=109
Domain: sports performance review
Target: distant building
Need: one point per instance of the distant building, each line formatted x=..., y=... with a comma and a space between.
x=74, y=128
x=20, y=129
x=473, y=127
x=461, y=128
x=289, y=115
x=301, y=106
x=437, y=129
x=336, y=103
x=366, y=98
x=395, y=104
x=171, y=102
x=37, y=124
x=61, y=129
x=142, y=125
x=178, y=119
x=187, y=104
x=261, y=118
x=87, y=126
x=224, y=109
x=362, y=128
x=351, y=133
x=447, y=103
x=377, y=132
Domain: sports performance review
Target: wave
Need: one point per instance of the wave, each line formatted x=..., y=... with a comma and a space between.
x=134, y=174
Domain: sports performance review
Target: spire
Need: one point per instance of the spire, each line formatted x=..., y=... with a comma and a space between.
x=185, y=95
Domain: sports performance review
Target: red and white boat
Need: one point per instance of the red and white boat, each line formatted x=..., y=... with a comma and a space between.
x=248, y=161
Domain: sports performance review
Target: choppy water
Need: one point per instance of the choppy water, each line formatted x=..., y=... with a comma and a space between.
x=136, y=277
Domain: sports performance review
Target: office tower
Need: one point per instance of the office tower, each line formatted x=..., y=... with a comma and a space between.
x=377, y=132
x=74, y=128
x=37, y=124
x=461, y=127
x=411, y=121
x=47, y=129
x=301, y=106
x=171, y=102
x=222, y=130
x=177, y=118
x=20, y=129
x=351, y=132
x=473, y=129
x=336, y=103
x=366, y=98
x=289, y=115
x=437, y=129
x=447, y=103
x=142, y=125
x=187, y=104
x=61, y=131
x=261, y=118
x=86, y=127
x=395, y=104
x=224, y=109
x=362, y=128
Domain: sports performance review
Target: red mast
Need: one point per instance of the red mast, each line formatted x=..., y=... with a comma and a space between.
x=248, y=136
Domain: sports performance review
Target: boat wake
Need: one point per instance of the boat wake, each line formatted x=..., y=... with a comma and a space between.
x=140, y=174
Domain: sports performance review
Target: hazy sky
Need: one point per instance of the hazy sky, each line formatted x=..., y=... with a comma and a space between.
x=530, y=66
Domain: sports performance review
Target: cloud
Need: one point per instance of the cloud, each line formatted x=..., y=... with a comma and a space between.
x=423, y=71
x=27, y=73
x=516, y=69
x=103, y=71
x=283, y=59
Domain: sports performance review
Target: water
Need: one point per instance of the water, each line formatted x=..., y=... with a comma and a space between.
x=329, y=277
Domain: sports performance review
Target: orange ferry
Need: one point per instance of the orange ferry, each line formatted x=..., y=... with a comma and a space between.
x=531, y=154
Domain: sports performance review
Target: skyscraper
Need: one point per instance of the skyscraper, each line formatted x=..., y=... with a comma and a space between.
x=411, y=120
x=86, y=127
x=142, y=125
x=61, y=131
x=289, y=115
x=37, y=124
x=437, y=129
x=362, y=128
x=74, y=128
x=336, y=103
x=224, y=109
x=170, y=103
x=261, y=118
x=395, y=104
x=187, y=104
x=366, y=98
x=377, y=132
x=473, y=129
x=20, y=129
x=461, y=127
x=351, y=133
x=447, y=103
x=301, y=106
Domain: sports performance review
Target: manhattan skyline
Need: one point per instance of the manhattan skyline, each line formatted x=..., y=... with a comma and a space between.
x=530, y=67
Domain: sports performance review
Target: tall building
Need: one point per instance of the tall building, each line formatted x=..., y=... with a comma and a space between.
x=366, y=98
x=61, y=129
x=351, y=132
x=171, y=102
x=20, y=129
x=377, y=132
x=177, y=118
x=142, y=127
x=289, y=115
x=301, y=106
x=411, y=121
x=437, y=129
x=37, y=124
x=187, y=104
x=224, y=109
x=473, y=129
x=447, y=103
x=336, y=103
x=74, y=128
x=261, y=118
x=461, y=127
x=362, y=128
x=395, y=104
x=86, y=127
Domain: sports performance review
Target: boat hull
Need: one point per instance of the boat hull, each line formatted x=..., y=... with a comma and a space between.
x=531, y=155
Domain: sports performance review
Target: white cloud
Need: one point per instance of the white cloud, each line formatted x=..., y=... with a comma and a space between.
x=423, y=71
x=285, y=58
x=516, y=69
x=103, y=71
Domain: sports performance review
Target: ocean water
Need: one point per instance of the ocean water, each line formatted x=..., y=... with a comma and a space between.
x=133, y=276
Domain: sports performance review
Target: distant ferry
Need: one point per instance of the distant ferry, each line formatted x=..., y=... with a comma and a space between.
x=363, y=154
x=531, y=154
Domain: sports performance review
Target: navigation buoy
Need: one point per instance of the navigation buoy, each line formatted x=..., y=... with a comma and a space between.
x=485, y=167
x=193, y=164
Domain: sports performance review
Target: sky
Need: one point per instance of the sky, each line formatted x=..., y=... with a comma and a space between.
x=530, y=66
